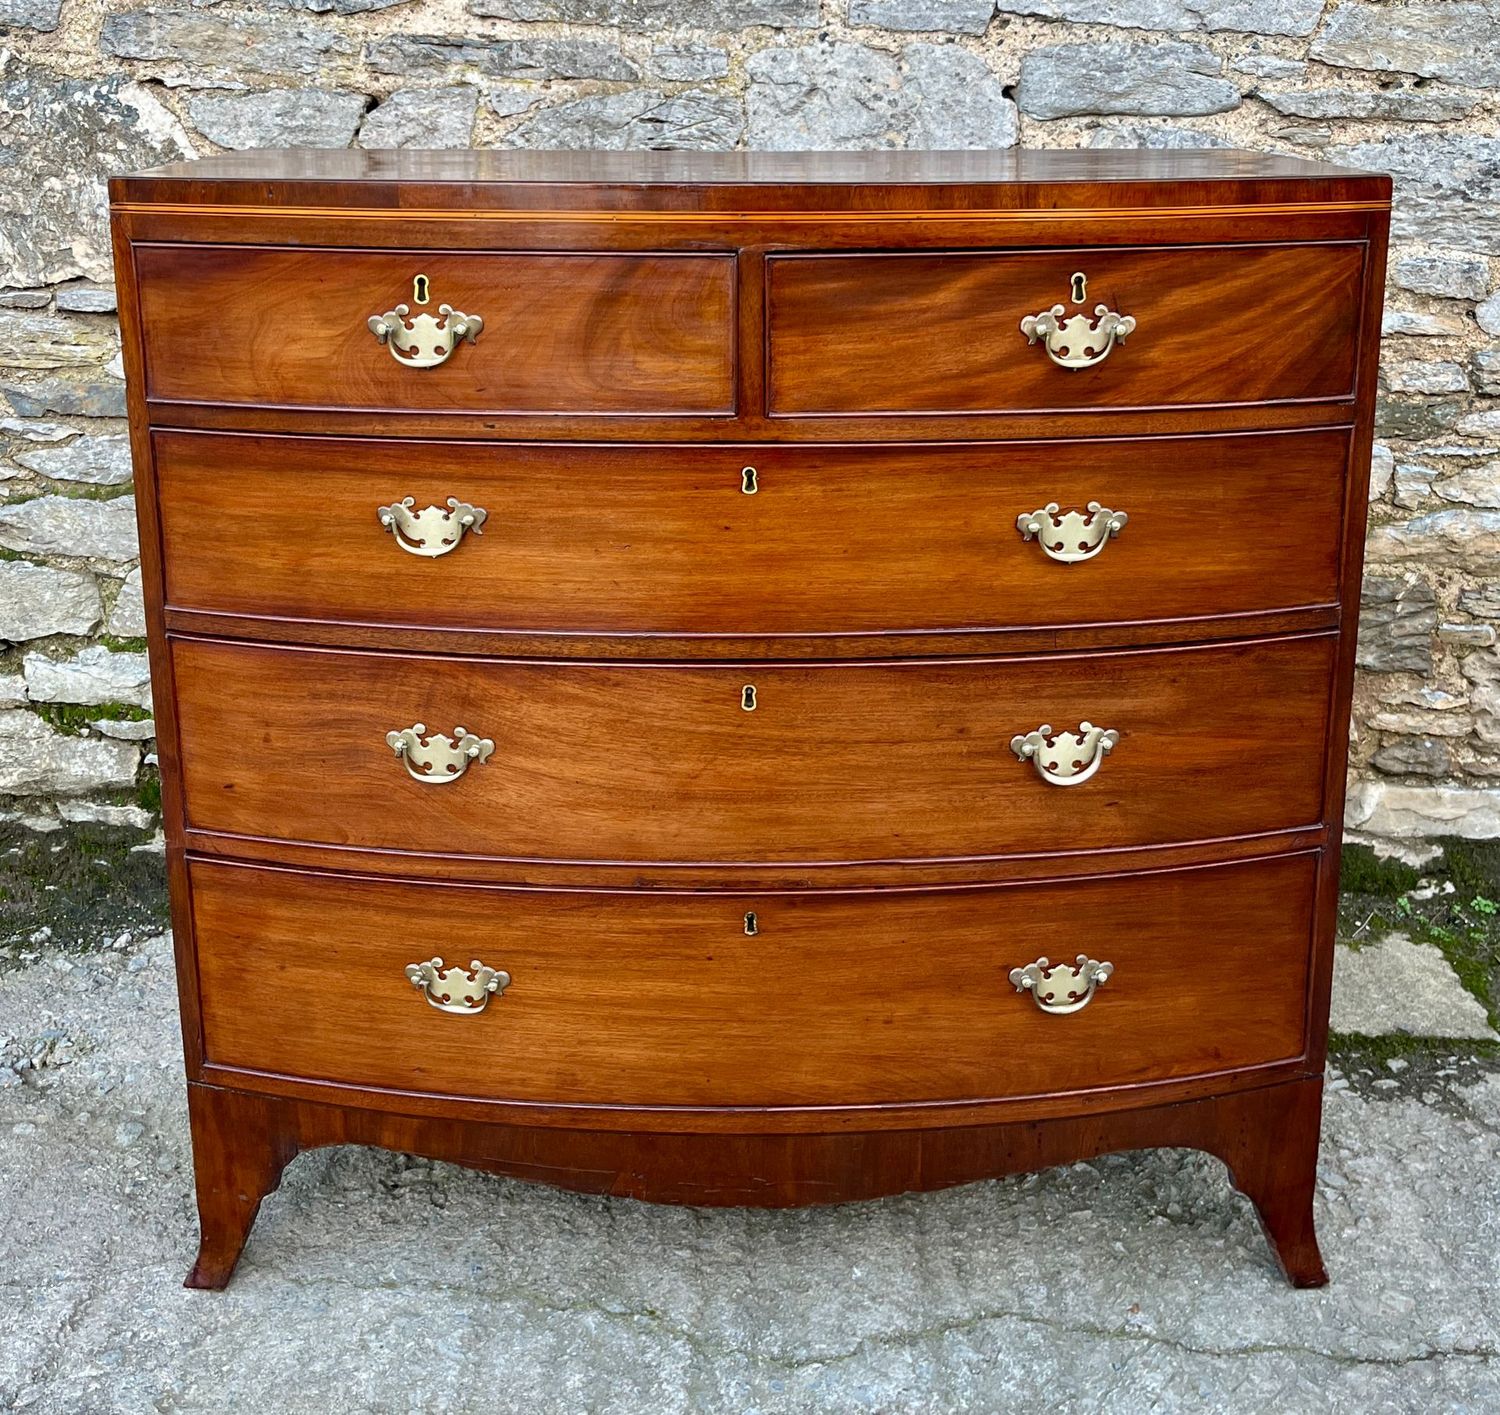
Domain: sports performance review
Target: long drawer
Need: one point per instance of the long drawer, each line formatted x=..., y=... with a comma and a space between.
x=751, y=540
x=642, y=999
x=732, y=763
x=925, y=332
x=558, y=332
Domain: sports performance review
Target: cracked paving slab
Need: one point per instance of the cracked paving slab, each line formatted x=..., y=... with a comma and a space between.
x=382, y=1283
x=1395, y=985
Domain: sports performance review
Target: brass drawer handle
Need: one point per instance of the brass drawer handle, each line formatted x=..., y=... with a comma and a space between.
x=438, y=759
x=1065, y=758
x=1071, y=536
x=1059, y=988
x=424, y=340
x=433, y=531
x=462, y=990
x=1078, y=342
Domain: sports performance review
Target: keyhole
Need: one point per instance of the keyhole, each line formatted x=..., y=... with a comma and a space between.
x=1080, y=288
x=419, y=290
x=747, y=697
x=749, y=482
x=752, y=925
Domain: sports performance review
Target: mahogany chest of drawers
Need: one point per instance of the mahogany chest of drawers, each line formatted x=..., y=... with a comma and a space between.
x=739, y=679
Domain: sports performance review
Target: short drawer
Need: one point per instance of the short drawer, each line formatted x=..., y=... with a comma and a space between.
x=685, y=763
x=652, y=999
x=942, y=332
x=751, y=540
x=560, y=332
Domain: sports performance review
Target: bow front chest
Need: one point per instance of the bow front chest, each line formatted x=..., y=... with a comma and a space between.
x=752, y=679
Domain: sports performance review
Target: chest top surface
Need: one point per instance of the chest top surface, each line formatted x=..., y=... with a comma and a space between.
x=1013, y=179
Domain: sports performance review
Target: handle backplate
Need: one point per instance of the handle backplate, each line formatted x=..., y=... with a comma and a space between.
x=1065, y=758
x=1060, y=987
x=424, y=340
x=433, y=531
x=463, y=991
x=1071, y=536
x=438, y=759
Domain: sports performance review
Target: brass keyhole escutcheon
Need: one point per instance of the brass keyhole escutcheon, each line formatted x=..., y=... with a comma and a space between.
x=749, y=481
x=747, y=697
x=419, y=290
x=1080, y=288
x=752, y=925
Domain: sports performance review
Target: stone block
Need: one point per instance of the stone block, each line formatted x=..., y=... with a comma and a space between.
x=1169, y=79
x=1396, y=986
x=1393, y=105
x=85, y=297
x=1382, y=468
x=1158, y=137
x=1456, y=40
x=718, y=15
x=127, y=618
x=98, y=461
x=85, y=398
x=1458, y=539
x=278, y=117
x=1476, y=485
x=1290, y=17
x=1400, y=812
x=1418, y=376
x=37, y=761
x=30, y=14
x=952, y=16
x=92, y=675
x=65, y=525
x=687, y=62
x=1397, y=619
x=953, y=100
x=222, y=43
x=1420, y=324
x=1447, y=185
x=641, y=118
x=38, y=600
x=839, y=96
x=448, y=56
x=49, y=341
x=1487, y=312
x=423, y=117
x=1414, y=756
x=1457, y=276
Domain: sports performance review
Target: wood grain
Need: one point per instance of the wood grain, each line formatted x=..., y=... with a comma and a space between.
x=664, y=1001
x=940, y=333
x=663, y=540
x=896, y=761
x=562, y=333
x=1267, y=1137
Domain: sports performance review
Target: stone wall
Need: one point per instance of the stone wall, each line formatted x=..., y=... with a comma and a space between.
x=1411, y=88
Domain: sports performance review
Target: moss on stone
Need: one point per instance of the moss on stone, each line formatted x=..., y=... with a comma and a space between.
x=117, y=645
x=84, y=883
x=1363, y=872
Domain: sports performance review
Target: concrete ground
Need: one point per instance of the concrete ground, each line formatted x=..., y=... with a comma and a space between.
x=378, y=1283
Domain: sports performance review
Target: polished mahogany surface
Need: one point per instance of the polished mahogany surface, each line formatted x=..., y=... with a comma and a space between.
x=751, y=620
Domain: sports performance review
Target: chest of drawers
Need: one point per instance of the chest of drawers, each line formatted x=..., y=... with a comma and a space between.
x=654, y=654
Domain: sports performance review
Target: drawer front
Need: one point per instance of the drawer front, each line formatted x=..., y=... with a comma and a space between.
x=751, y=540
x=837, y=999
x=729, y=763
x=562, y=333
x=941, y=333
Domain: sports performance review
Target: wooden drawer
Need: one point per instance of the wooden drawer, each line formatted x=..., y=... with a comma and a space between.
x=839, y=999
x=563, y=333
x=833, y=539
x=851, y=762
x=941, y=332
